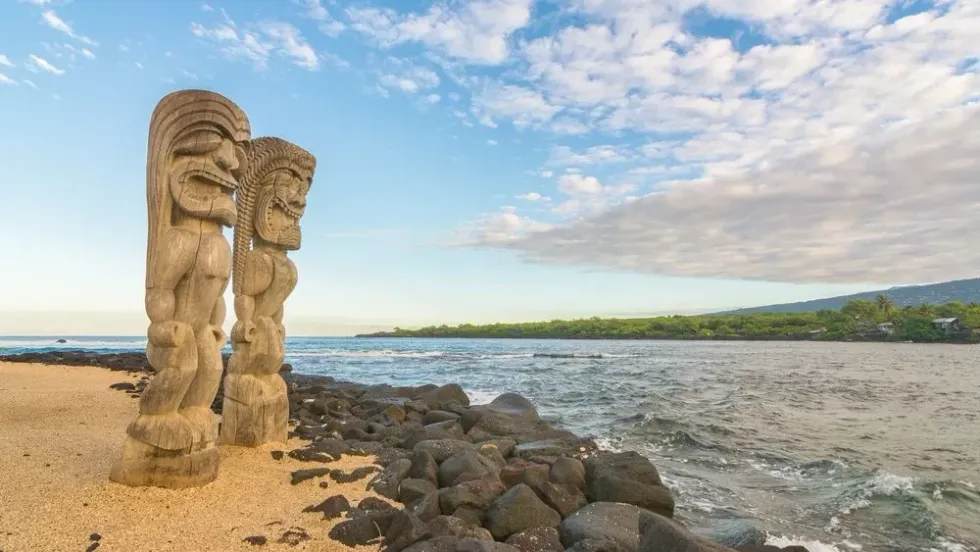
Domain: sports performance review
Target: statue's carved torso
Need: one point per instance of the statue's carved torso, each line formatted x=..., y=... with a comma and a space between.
x=206, y=277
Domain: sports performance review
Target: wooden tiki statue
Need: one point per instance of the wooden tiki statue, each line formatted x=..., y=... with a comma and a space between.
x=271, y=201
x=195, y=157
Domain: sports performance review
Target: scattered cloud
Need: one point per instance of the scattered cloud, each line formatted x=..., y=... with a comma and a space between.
x=36, y=63
x=51, y=19
x=40, y=3
x=88, y=53
x=498, y=229
x=523, y=105
x=432, y=98
x=4, y=79
x=408, y=77
x=123, y=48
x=138, y=65
x=5, y=62
x=477, y=32
x=491, y=142
x=531, y=196
x=851, y=212
x=206, y=8
x=30, y=83
x=260, y=41
x=325, y=22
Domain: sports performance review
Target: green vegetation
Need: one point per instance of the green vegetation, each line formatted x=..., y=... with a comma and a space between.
x=858, y=320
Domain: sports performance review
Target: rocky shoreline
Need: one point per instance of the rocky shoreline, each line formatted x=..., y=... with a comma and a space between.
x=482, y=478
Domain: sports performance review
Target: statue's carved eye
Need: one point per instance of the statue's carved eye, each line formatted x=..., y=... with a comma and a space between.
x=199, y=142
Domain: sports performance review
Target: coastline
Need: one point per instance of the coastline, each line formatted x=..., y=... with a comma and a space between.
x=973, y=340
x=461, y=472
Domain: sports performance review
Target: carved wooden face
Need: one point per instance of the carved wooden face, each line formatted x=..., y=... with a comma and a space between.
x=280, y=204
x=205, y=171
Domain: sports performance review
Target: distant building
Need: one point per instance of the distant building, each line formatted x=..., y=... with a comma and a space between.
x=947, y=325
x=886, y=328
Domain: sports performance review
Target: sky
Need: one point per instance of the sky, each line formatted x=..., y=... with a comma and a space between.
x=507, y=160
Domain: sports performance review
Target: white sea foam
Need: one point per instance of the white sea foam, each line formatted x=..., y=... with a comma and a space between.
x=946, y=545
x=811, y=545
x=367, y=354
x=481, y=397
x=135, y=343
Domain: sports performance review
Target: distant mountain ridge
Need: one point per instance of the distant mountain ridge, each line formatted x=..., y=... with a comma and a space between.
x=967, y=291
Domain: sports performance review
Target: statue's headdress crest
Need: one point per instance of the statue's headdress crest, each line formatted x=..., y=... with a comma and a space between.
x=266, y=155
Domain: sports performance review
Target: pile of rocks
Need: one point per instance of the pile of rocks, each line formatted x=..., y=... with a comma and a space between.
x=482, y=478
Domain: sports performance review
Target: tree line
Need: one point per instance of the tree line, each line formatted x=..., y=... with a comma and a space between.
x=857, y=320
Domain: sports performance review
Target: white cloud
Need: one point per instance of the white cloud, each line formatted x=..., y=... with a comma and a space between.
x=124, y=48
x=531, y=196
x=854, y=211
x=409, y=78
x=491, y=142
x=4, y=79
x=547, y=174
x=326, y=23
x=576, y=184
x=477, y=31
x=39, y=3
x=5, y=62
x=51, y=19
x=30, y=83
x=498, y=229
x=36, y=63
x=433, y=98
x=138, y=65
x=88, y=53
x=260, y=41
x=523, y=105
x=206, y=8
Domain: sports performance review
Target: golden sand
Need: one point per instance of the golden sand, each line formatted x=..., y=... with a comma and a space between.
x=62, y=427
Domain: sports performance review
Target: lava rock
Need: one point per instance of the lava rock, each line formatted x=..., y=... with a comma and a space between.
x=465, y=466
x=256, y=540
x=357, y=531
x=442, y=526
x=603, y=521
x=438, y=544
x=560, y=499
x=469, y=514
x=658, y=533
x=388, y=481
x=568, y=471
x=447, y=393
x=299, y=476
x=479, y=493
x=519, y=509
x=427, y=507
x=355, y=475
x=277, y=454
x=406, y=529
x=373, y=504
x=521, y=471
x=436, y=416
x=414, y=489
x=440, y=430
x=627, y=478
x=477, y=545
x=332, y=507
x=537, y=539
x=441, y=449
x=424, y=466
x=123, y=386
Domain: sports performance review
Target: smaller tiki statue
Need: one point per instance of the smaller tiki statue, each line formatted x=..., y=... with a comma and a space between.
x=195, y=155
x=271, y=200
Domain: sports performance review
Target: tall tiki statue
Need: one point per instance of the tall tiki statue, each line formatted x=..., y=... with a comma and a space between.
x=196, y=154
x=271, y=200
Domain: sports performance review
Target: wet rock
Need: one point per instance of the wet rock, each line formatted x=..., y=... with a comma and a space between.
x=406, y=529
x=568, y=471
x=477, y=545
x=439, y=544
x=414, y=489
x=770, y=548
x=332, y=507
x=537, y=539
x=469, y=514
x=424, y=466
x=627, y=478
x=442, y=526
x=299, y=476
x=519, y=509
x=522, y=471
x=427, y=507
x=560, y=499
x=508, y=414
x=737, y=533
x=598, y=545
x=465, y=466
x=447, y=393
x=658, y=533
x=357, y=531
x=387, y=482
x=478, y=494
x=436, y=416
x=441, y=449
x=603, y=521
x=256, y=540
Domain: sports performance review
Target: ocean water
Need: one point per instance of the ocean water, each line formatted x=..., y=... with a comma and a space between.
x=839, y=447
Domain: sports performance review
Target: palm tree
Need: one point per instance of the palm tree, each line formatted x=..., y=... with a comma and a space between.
x=885, y=304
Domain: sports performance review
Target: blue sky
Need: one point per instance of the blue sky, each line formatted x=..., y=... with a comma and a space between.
x=508, y=159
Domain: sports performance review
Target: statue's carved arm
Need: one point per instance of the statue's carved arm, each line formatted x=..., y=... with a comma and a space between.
x=161, y=303
x=256, y=279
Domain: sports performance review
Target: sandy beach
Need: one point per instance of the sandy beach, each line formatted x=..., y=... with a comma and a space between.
x=62, y=427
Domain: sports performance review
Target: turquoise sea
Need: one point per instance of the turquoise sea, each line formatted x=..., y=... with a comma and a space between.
x=836, y=446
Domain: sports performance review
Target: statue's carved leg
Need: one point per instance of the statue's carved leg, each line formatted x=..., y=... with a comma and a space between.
x=256, y=407
x=196, y=405
x=160, y=445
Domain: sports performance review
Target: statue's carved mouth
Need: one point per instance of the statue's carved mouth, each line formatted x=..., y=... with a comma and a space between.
x=290, y=212
x=214, y=176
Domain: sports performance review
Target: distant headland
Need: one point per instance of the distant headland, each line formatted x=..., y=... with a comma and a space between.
x=858, y=320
